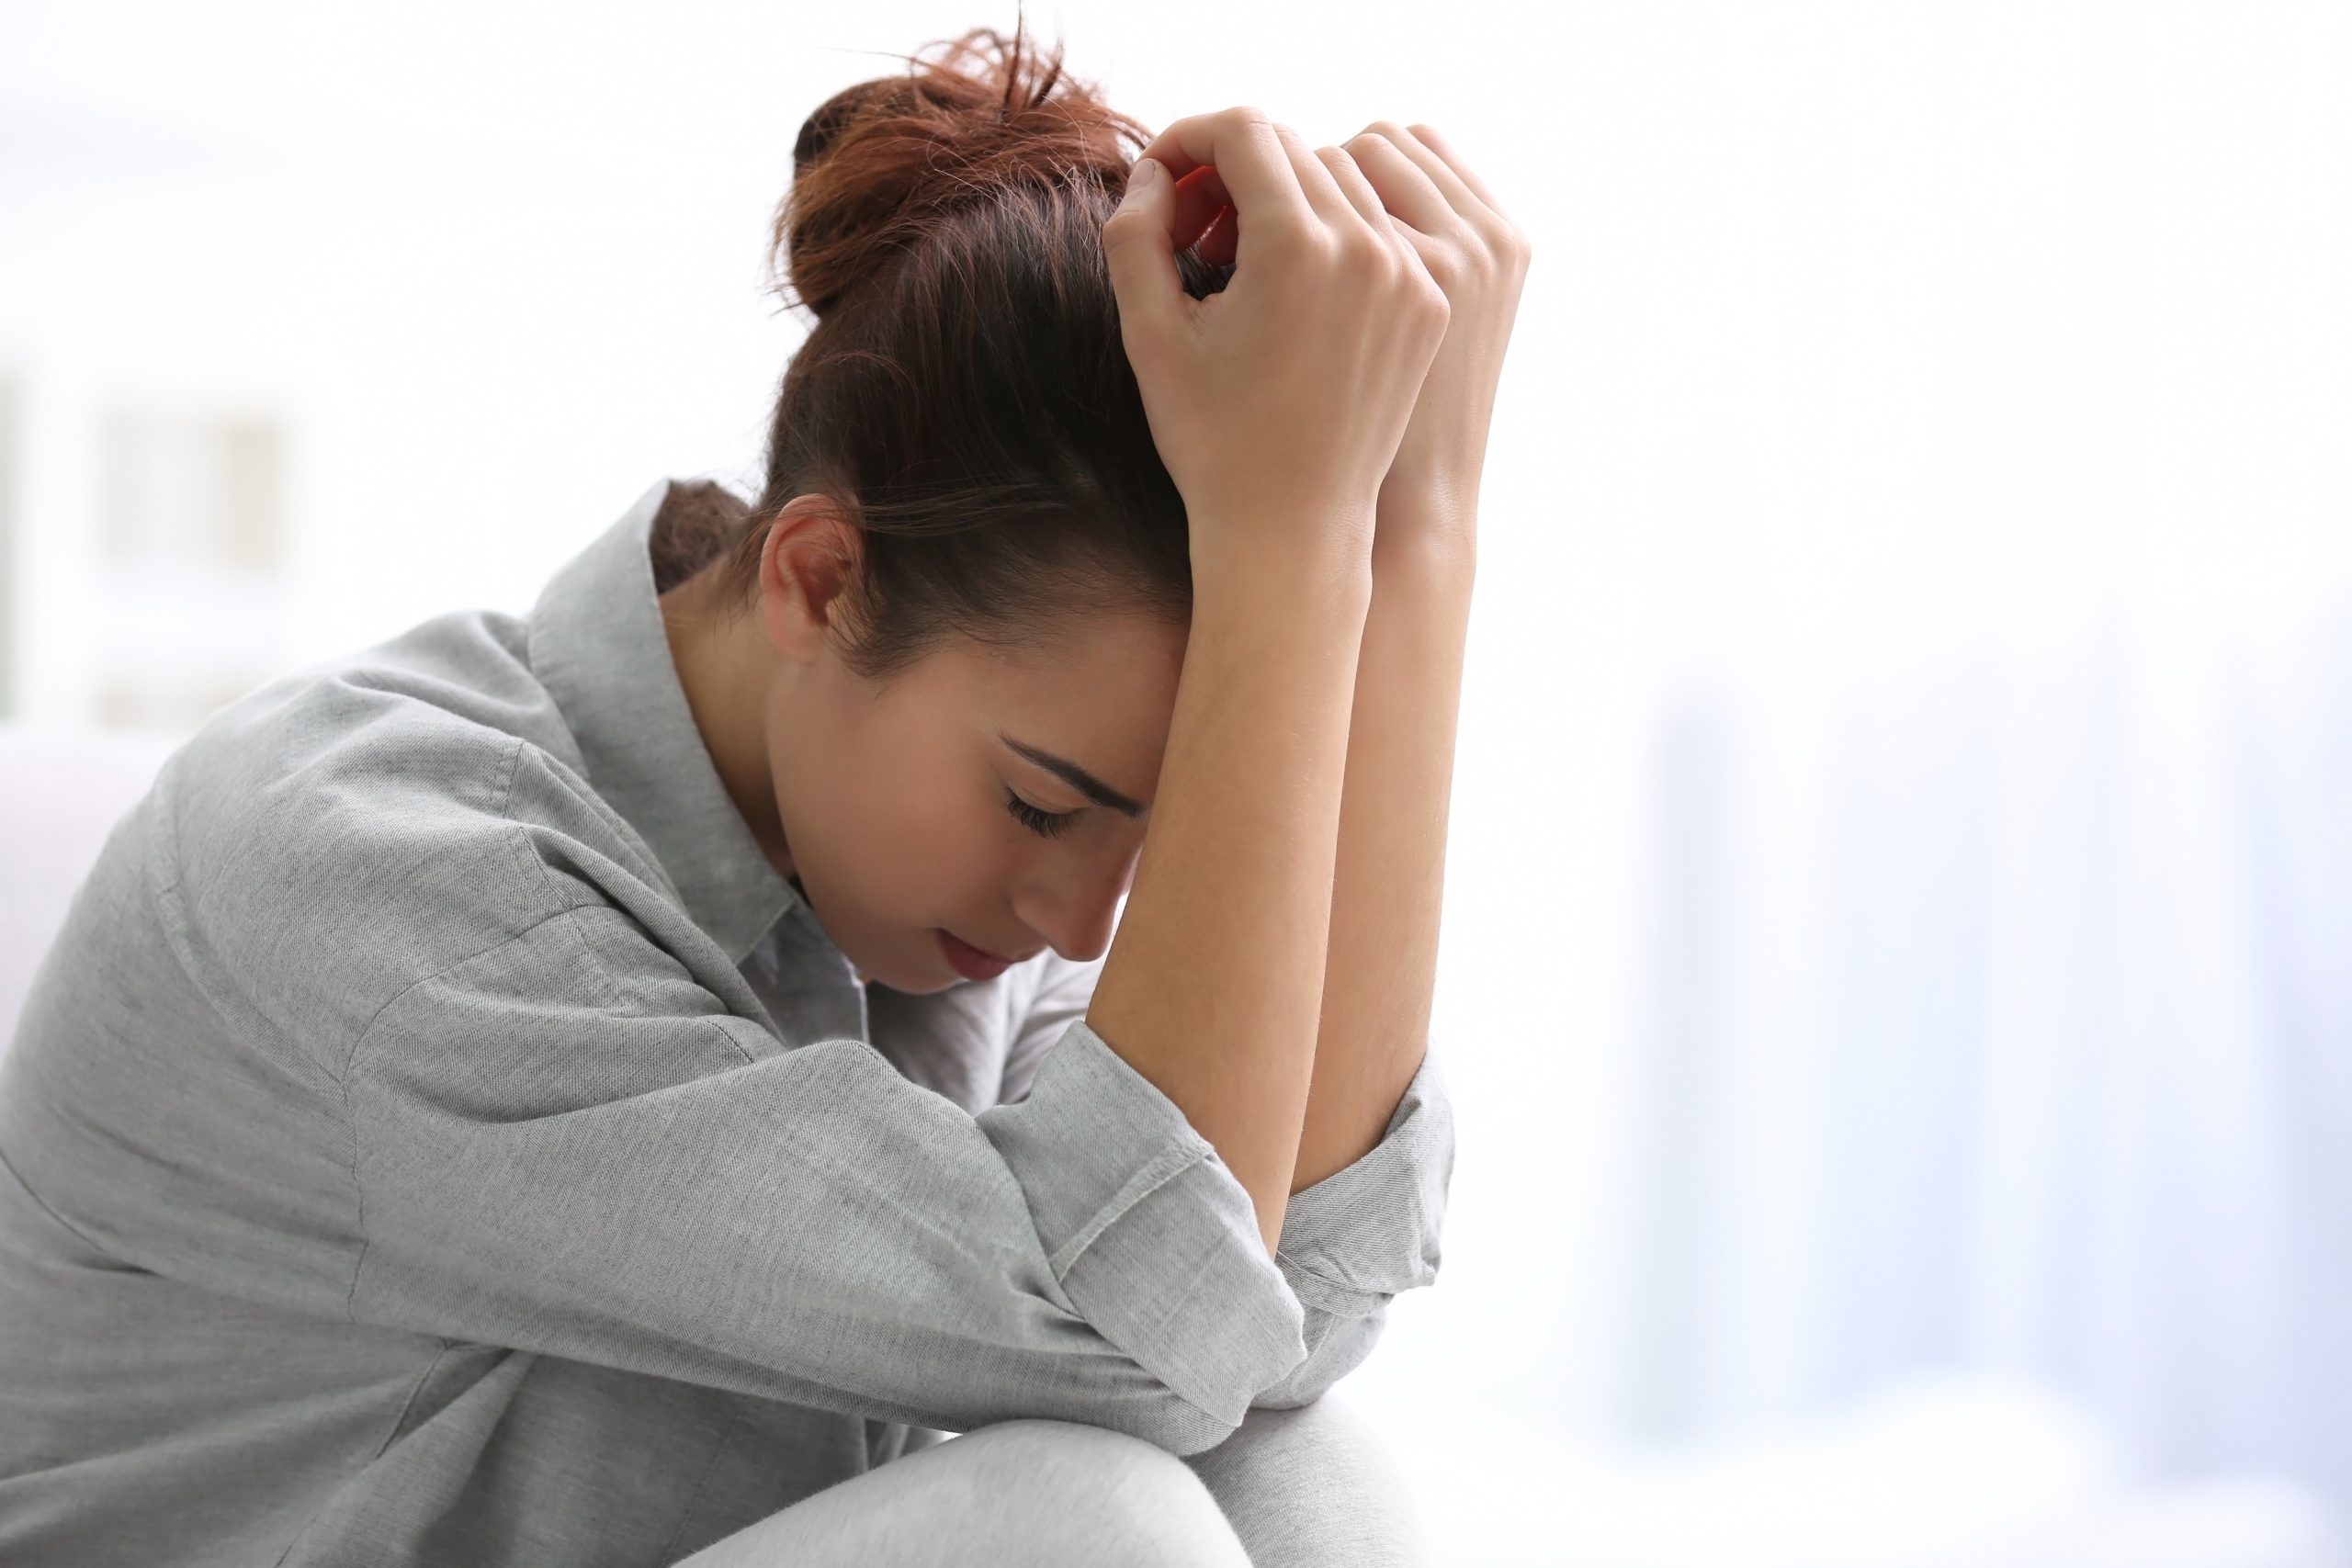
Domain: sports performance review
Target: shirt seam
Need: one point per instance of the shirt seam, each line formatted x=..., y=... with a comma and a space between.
x=534, y=866
x=71, y=1229
x=518, y=845
x=519, y=848
x=1336, y=1283
x=416, y=1391
x=1419, y=1224
x=1158, y=1172
x=1364, y=1299
x=613, y=1001
x=342, y=1083
x=351, y=1116
x=718, y=1452
x=231, y=1002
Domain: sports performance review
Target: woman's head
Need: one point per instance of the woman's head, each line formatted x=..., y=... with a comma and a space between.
x=966, y=541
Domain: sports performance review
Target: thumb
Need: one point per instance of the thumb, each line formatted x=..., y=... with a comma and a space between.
x=1141, y=250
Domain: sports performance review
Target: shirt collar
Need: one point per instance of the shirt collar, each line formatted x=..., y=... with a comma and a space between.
x=598, y=645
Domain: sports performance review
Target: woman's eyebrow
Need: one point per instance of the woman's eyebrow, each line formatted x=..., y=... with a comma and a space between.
x=1077, y=778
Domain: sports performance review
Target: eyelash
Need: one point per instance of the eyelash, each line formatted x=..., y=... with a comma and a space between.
x=1044, y=824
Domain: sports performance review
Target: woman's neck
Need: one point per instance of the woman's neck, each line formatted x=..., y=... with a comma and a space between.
x=726, y=669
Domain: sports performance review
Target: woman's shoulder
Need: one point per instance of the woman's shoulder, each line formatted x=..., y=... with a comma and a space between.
x=368, y=803
x=423, y=717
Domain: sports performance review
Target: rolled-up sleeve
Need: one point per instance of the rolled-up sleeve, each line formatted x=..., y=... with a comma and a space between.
x=1364, y=1233
x=1352, y=1242
x=560, y=1151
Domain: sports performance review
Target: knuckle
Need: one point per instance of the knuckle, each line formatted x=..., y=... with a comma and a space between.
x=1433, y=316
x=1429, y=294
x=1258, y=123
x=1366, y=250
x=1502, y=239
x=1405, y=282
x=1288, y=235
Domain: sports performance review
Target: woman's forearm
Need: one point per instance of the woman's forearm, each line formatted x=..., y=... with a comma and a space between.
x=1213, y=982
x=1390, y=863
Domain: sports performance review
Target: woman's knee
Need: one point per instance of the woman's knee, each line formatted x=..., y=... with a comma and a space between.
x=1103, y=1495
x=1317, y=1486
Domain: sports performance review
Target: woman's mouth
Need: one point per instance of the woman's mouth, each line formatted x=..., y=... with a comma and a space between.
x=970, y=961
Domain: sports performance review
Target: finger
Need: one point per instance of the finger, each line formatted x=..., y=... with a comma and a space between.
x=1200, y=196
x=1404, y=188
x=1248, y=153
x=1356, y=188
x=1431, y=254
x=1323, y=192
x=1458, y=194
x=1431, y=138
x=1141, y=253
x=1222, y=240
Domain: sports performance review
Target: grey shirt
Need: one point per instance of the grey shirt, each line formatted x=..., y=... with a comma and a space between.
x=438, y=1135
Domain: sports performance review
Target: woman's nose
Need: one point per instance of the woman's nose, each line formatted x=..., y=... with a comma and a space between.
x=1078, y=924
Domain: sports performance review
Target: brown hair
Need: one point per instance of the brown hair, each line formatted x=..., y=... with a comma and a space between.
x=964, y=398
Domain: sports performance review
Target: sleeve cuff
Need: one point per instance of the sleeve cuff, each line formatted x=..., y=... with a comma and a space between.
x=1370, y=1230
x=1150, y=1235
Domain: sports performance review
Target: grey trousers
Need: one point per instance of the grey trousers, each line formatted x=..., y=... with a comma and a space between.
x=1314, y=1487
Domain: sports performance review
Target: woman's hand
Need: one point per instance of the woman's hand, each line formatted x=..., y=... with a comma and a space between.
x=1279, y=403
x=1475, y=253
x=1479, y=257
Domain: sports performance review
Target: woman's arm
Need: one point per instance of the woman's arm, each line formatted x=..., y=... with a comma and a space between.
x=1391, y=865
x=1277, y=404
x=379, y=1015
x=566, y=1145
x=1390, y=877
x=1211, y=986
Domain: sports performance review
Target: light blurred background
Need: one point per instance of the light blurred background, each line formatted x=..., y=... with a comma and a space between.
x=1897, y=972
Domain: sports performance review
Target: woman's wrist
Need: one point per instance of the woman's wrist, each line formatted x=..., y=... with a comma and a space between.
x=1323, y=558
x=1427, y=534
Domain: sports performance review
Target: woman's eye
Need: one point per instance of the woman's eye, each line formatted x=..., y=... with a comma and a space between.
x=1044, y=824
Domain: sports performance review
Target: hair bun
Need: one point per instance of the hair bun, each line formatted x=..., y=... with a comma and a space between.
x=816, y=132
x=880, y=164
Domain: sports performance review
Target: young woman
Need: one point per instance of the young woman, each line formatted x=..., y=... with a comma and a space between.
x=602, y=1086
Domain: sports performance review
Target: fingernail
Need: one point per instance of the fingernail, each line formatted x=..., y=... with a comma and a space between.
x=1140, y=179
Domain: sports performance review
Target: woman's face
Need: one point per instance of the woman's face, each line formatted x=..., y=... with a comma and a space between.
x=934, y=803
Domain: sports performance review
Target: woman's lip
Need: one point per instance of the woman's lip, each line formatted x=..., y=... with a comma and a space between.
x=972, y=963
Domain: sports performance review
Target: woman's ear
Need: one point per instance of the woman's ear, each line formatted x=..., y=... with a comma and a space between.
x=808, y=569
